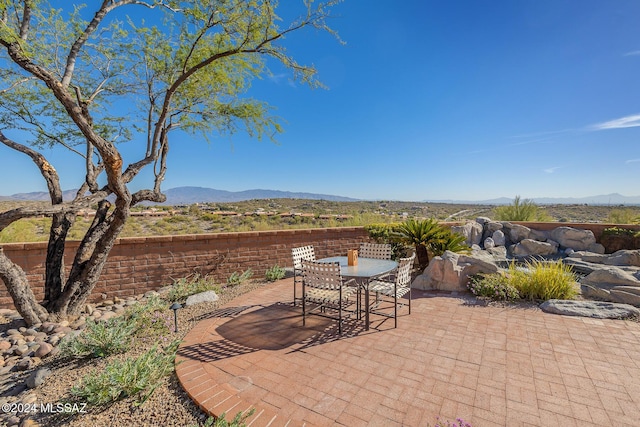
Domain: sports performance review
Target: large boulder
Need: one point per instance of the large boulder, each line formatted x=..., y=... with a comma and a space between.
x=472, y=231
x=576, y=239
x=612, y=284
x=624, y=257
x=611, y=276
x=530, y=247
x=594, y=309
x=626, y=295
x=516, y=232
x=451, y=271
x=588, y=256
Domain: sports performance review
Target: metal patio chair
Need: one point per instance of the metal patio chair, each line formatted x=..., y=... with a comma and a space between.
x=324, y=291
x=395, y=289
x=375, y=250
x=298, y=254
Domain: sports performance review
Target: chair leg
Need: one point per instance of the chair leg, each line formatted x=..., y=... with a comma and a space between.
x=304, y=306
x=395, y=305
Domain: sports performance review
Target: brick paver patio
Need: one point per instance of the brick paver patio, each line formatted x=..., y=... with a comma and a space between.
x=491, y=366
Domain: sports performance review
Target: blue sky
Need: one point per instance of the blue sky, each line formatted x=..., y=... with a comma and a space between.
x=433, y=100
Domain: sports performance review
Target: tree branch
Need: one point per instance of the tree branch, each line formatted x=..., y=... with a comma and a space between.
x=46, y=169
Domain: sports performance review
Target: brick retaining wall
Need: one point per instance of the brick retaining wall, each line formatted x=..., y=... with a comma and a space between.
x=137, y=265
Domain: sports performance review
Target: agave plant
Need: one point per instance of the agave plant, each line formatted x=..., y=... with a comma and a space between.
x=421, y=234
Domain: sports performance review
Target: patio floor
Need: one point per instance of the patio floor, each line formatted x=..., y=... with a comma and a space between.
x=491, y=366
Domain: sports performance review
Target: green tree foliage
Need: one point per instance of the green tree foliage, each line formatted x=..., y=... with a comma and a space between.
x=85, y=77
x=521, y=210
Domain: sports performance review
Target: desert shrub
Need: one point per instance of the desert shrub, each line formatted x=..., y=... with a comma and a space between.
x=540, y=280
x=622, y=216
x=100, y=339
x=239, y=278
x=521, y=210
x=152, y=318
x=274, y=273
x=187, y=286
x=493, y=286
x=129, y=377
x=618, y=231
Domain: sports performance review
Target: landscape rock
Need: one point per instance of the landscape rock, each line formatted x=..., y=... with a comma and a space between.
x=499, y=253
x=482, y=220
x=576, y=239
x=499, y=238
x=38, y=377
x=611, y=276
x=489, y=243
x=623, y=257
x=472, y=231
x=207, y=296
x=107, y=315
x=626, y=295
x=587, y=256
x=530, y=247
x=517, y=232
x=594, y=309
x=450, y=272
x=539, y=235
x=43, y=350
x=596, y=248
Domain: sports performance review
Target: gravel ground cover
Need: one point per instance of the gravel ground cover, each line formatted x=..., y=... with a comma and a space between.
x=169, y=405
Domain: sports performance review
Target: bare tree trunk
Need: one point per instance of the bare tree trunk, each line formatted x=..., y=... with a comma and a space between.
x=90, y=259
x=18, y=286
x=55, y=270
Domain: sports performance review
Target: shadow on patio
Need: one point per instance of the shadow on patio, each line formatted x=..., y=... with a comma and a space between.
x=492, y=366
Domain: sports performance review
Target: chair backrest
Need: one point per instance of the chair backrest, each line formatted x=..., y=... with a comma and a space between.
x=321, y=275
x=375, y=250
x=403, y=275
x=304, y=252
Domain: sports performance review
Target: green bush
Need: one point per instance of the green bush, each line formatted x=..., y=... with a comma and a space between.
x=540, y=280
x=447, y=240
x=384, y=233
x=187, y=286
x=493, y=286
x=152, y=318
x=525, y=210
x=100, y=339
x=420, y=234
x=239, y=278
x=129, y=377
x=622, y=216
x=618, y=231
x=274, y=273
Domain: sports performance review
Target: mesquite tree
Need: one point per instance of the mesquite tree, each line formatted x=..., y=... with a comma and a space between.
x=86, y=77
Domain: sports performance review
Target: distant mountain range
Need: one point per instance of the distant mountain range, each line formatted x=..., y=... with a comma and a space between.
x=603, y=199
x=189, y=195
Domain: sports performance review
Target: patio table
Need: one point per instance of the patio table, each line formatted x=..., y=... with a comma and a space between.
x=367, y=269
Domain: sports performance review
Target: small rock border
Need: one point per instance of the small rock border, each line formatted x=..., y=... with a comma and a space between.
x=32, y=372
